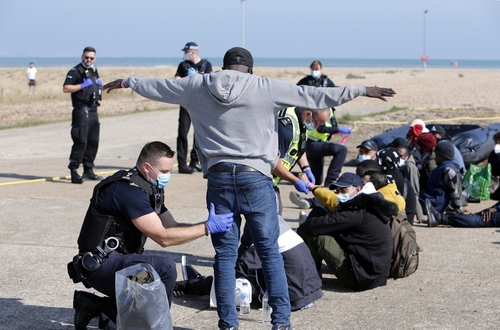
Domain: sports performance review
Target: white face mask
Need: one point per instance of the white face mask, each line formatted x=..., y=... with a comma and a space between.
x=315, y=74
x=497, y=148
x=363, y=157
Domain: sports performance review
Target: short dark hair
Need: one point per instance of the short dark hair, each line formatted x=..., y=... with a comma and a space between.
x=367, y=165
x=496, y=137
x=379, y=180
x=153, y=151
x=89, y=49
x=316, y=62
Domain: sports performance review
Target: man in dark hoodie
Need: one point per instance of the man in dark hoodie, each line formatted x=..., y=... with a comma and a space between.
x=355, y=241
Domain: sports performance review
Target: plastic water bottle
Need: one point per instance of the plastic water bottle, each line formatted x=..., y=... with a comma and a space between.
x=266, y=309
x=245, y=299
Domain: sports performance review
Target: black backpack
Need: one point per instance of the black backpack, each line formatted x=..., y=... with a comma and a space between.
x=405, y=251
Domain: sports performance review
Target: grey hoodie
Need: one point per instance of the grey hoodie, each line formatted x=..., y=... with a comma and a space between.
x=234, y=113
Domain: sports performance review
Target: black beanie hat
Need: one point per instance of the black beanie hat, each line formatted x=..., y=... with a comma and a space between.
x=388, y=159
x=445, y=149
x=238, y=55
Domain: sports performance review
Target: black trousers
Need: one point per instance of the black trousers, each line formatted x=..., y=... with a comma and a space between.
x=182, y=141
x=103, y=279
x=317, y=150
x=85, y=129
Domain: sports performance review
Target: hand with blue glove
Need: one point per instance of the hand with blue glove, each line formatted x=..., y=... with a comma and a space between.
x=99, y=82
x=345, y=130
x=218, y=223
x=302, y=186
x=191, y=71
x=86, y=83
x=310, y=176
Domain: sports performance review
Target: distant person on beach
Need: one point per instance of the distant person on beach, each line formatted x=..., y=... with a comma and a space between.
x=85, y=87
x=31, y=75
x=234, y=116
x=316, y=78
x=192, y=64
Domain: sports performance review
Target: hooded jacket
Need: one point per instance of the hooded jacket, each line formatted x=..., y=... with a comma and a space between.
x=234, y=113
x=360, y=228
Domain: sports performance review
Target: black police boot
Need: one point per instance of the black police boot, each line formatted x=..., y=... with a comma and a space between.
x=196, y=166
x=88, y=173
x=184, y=169
x=87, y=306
x=434, y=218
x=75, y=177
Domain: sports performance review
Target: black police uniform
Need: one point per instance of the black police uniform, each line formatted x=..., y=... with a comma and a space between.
x=100, y=225
x=322, y=81
x=203, y=66
x=85, y=124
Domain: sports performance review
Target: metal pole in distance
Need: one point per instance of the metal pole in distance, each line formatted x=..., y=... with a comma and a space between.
x=424, y=56
x=243, y=23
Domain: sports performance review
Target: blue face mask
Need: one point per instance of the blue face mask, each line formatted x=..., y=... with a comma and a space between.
x=342, y=198
x=402, y=163
x=309, y=126
x=315, y=74
x=363, y=157
x=161, y=179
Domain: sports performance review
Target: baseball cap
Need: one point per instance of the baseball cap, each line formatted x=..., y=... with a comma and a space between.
x=190, y=46
x=399, y=143
x=238, y=55
x=437, y=129
x=369, y=144
x=347, y=180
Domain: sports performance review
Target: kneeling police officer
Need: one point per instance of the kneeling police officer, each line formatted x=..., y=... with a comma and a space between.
x=126, y=208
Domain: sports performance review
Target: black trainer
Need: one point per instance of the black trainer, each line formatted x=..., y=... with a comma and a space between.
x=86, y=307
x=433, y=216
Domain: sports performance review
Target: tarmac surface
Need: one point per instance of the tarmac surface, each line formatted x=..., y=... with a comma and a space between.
x=455, y=287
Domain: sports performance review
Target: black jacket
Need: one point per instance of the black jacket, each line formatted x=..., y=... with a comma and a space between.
x=361, y=229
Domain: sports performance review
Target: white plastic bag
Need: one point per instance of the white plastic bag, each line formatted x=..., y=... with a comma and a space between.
x=237, y=292
x=141, y=306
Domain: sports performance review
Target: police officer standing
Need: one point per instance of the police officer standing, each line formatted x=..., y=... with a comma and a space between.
x=83, y=83
x=192, y=64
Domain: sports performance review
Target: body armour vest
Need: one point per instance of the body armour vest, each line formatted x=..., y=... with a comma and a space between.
x=98, y=225
x=91, y=95
x=297, y=145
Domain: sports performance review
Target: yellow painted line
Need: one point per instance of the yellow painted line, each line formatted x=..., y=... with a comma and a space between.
x=56, y=178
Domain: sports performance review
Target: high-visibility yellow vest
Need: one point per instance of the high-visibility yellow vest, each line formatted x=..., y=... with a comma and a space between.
x=317, y=136
x=297, y=145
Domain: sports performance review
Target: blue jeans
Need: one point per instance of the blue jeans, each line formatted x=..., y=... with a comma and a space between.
x=473, y=220
x=250, y=194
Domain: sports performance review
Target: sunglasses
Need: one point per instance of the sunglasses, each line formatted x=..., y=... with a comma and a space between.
x=89, y=58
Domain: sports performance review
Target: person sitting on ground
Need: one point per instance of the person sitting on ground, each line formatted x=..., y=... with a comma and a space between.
x=442, y=192
x=355, y=242
x=304, y=284
x=489, y=217
x=440, y=134
x=410, y=172
x=417, y=127
x=390, y=162
x=425, y=146
x=367, y=150
x=494, y=160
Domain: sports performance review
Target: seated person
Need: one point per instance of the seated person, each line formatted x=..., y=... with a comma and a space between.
x=442, y=192
x=355, y=241
x=410, y=172
x=367, y=150
x=390, y=162
x=425, y=146
x=440, y=134
x=417, y=127
x=304, y=284
x=494, y=160
x=489, y=217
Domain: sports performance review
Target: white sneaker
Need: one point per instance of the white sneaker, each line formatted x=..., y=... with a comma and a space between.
x=301, y=202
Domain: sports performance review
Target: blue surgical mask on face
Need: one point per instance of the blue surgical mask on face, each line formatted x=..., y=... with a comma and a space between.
x=363, y=157
x=309, y=126
x=186, y=57
x=315, y=74
x=161, y=179
x=402, y=163
x=342, y=198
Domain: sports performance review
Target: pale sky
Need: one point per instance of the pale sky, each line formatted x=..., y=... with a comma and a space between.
x=368, y=29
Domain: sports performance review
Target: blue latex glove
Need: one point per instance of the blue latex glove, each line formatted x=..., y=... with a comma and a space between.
x=99, y=82
x=218, y=223
x=86, y=83
x=302, y=186
x=310, y=176
x=191, y=71
x=345, y=130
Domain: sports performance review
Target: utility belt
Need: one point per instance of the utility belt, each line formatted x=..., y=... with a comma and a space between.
x=88, y=108
x=90, y=261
